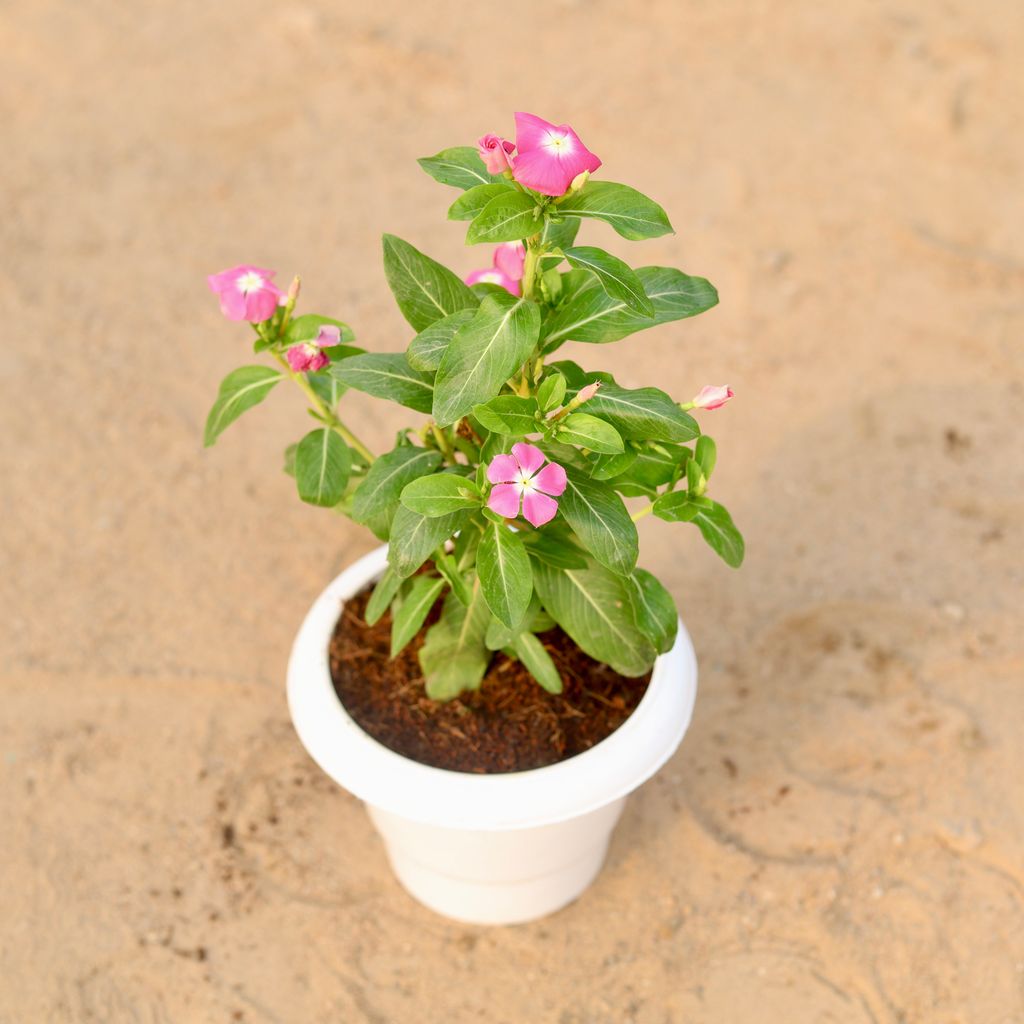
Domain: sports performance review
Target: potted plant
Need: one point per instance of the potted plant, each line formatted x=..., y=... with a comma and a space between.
x=497, y=679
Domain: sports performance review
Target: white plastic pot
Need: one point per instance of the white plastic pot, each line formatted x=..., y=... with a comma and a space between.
x=488, y=849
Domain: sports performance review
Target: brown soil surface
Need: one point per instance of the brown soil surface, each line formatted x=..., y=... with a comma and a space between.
x=510, y=724
x=840, y=837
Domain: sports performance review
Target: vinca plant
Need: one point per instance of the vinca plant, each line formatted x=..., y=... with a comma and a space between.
x=508, y=505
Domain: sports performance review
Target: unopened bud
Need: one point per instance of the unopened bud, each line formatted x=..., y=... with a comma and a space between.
x=587, y=393
x=293, y=290
x=579, y=181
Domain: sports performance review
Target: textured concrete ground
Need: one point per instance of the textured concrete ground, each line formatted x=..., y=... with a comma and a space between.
x=841, y=836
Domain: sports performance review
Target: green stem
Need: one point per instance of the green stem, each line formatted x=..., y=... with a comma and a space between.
x=443, y=443
x=328, y=415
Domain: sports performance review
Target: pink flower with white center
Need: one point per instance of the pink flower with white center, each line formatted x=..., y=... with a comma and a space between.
x=246, y=293
x=549, y=156
x=496, y=153
x=712, y=396
x=507, y=270
x=492, y=275
x=509, y=258
x=309, y=356
x=516, y=480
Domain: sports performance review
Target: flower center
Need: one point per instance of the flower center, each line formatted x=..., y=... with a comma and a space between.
x=250, y=282
x=525, y=481
x=491, y=277
x=558, y=143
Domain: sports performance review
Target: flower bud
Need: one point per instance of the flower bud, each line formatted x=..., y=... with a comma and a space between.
x=587, y=393
x=712, y=396
x=578, y=182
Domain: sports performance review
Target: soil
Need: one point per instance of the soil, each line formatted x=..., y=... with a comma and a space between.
x=510, y=724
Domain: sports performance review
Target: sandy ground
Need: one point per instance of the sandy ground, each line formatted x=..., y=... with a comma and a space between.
x=840, y=839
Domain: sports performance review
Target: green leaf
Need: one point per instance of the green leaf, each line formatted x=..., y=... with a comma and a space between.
x=483, y=355
x=377, y=498
x=592, y=605
x=239, y=390
x=654, y=610
x=629, y=212
x=617, y=278
x=322, y=465
x=422, y=596
x=454, y=657
x=329, y=389
x=383, y=594
x=387, y=375
x=555, y=549
x=600, y=520
x=551, y=392
x=470, y=203
x=656, y=465
x=289, y=459
x=440, y=493
x=506, y=218
x=643, y=414
x=532, y=653
x=675, y=507
x=424, y=290
x=560, y=234
x=712, y=519
x=414, y=537
x=706, y=453
x=589, y=432
x=509, y=414
x=592, y=315
x=460, y=166
x=718, y=529
x=505, y=574
x=427, y=348
x=306, y=328
x=607, y=467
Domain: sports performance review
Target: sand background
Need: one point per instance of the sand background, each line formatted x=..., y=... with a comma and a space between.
x=840, y=838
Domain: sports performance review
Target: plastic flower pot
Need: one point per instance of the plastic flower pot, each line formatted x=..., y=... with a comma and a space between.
x=486, y=849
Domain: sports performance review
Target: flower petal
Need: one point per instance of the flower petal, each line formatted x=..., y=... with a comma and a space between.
x=509, y=258
x=502, y=470
x=539, y=508
x=233, y=304
x=529, y=457
x=261, y=305
x=531, y=130
x=504, y=500
x=551, y=479
x=542, y=172
x=298, y=358
x=492, y=275
x=328, y=336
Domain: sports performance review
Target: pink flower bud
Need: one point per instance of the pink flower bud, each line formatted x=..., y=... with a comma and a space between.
x=496, y=153
x=587, y=393
x=712, y=396
x=307, y=357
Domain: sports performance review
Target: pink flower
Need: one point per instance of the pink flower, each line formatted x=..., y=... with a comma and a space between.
x=712, y=396
x=516, y=477
x=507, y=271
x=309, y=356
x=509, y=258
x=491, y=275
x=549, y=156
x=246, y=293
x=495, y=153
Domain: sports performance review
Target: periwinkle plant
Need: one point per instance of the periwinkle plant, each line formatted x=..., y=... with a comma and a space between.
x=508, y=503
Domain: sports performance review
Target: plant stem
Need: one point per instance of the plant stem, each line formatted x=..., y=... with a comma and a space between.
x=646, y=511
x=328, y=415
x=443, y=443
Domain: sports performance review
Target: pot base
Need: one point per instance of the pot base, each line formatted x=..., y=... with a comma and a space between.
x=504, y=877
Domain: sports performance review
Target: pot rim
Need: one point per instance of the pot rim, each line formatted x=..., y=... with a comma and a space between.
x=438, y=796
